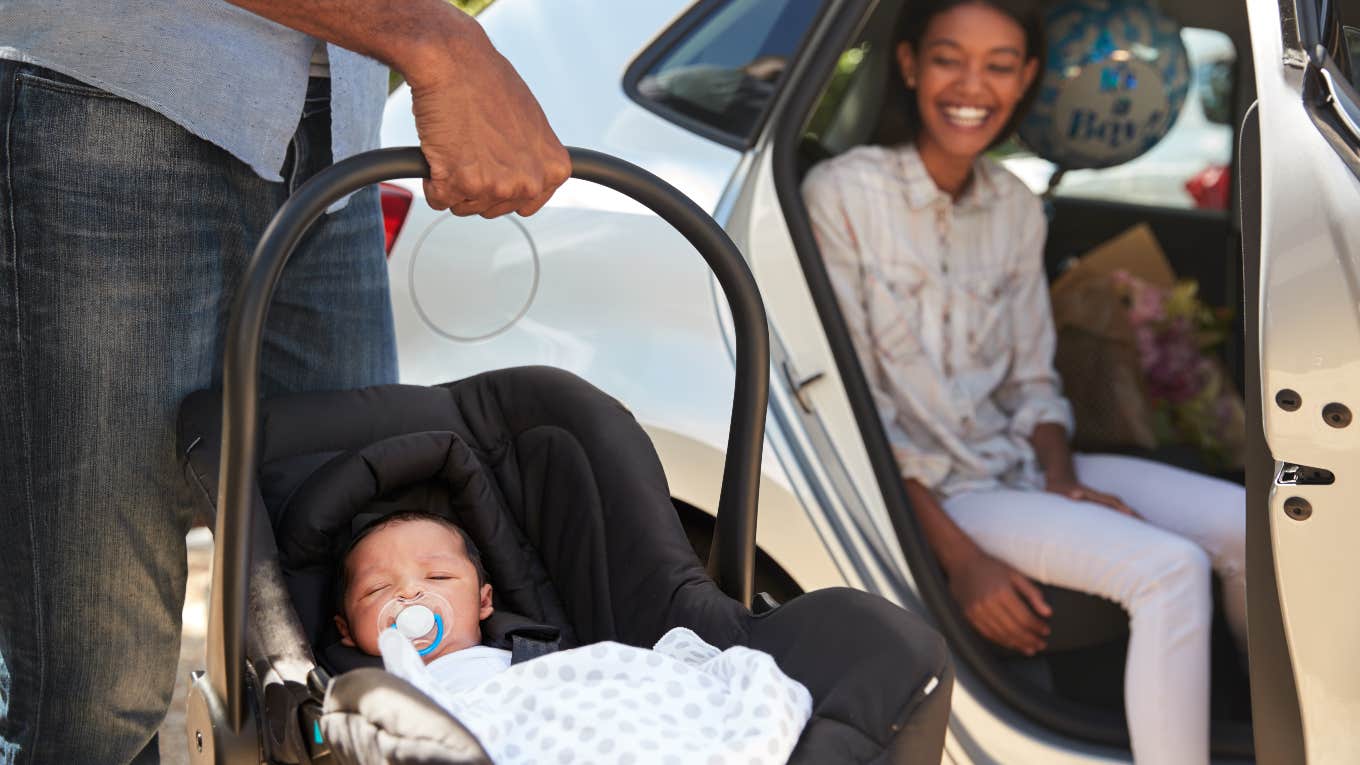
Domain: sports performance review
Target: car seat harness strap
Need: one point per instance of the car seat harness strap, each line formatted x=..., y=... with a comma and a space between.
x=525, y=647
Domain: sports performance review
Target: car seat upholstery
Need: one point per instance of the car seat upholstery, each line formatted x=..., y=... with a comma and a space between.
x=566, y=499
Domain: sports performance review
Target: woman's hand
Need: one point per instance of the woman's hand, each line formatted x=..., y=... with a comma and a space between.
x=1060, y=476
x=996, y=599
x=1070, y=488
x=1002, y=604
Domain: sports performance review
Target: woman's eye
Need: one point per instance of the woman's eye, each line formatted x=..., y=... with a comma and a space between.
x=1001, y=69
x=946, y=62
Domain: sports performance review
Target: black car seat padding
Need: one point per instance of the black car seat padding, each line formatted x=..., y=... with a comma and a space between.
x=555, y=483
x=565, y=496
x=434, y=472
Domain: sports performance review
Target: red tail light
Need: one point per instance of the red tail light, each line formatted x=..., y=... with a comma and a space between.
x=396, y=203
x=1211, y=187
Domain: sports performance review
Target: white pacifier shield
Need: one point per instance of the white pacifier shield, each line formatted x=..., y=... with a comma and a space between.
x=415, y=621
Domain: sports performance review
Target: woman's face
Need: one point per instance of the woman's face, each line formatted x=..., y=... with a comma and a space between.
x=970, y=72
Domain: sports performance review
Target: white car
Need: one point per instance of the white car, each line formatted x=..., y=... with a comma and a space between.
x=717, y=98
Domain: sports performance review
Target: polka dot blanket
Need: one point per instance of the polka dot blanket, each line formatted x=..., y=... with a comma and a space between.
x=684, y=701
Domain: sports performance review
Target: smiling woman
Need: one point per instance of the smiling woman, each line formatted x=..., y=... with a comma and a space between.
x=936, y=256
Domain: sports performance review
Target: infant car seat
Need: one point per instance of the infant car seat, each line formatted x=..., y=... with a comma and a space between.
x=560, y=489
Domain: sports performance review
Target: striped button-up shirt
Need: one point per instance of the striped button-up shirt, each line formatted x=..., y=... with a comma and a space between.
x=947, y=304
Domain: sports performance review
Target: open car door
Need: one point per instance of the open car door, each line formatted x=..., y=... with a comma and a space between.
x=1301, y=238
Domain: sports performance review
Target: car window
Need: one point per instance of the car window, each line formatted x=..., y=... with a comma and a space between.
x=1188, y=168
x=1340, y=35
x=724, y=70
x=1328, y=31
x=1352, y=40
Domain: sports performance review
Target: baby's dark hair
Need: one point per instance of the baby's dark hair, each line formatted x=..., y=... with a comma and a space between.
x=402, y=516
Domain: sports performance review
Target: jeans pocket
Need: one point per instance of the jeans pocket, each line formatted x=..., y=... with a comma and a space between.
x=46, y=79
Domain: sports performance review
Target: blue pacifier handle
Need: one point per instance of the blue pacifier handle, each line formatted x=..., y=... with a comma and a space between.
x=438, y=635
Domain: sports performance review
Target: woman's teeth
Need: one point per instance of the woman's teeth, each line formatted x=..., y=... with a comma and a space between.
x=966, y=116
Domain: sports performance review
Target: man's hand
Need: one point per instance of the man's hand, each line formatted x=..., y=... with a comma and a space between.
x=490, y=149
x=1070, y=488
x=1002, y=604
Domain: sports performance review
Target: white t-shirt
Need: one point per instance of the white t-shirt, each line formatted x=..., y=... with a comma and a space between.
x=470, y=666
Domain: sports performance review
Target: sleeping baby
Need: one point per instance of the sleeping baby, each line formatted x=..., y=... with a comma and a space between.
x=412, y=589
x=420, y=576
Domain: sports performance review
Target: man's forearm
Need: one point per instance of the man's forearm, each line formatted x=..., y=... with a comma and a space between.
x=407, y=36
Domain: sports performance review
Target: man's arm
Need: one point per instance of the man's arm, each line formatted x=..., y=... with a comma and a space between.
x=490, y=148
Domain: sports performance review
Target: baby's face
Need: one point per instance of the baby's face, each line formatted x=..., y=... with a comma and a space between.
x=403, y=560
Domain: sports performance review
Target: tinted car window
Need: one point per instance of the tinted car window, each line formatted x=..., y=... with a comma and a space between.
x=726, y=68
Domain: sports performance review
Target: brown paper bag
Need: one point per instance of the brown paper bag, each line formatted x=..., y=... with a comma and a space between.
x=1096, y=354
x=1098, y=362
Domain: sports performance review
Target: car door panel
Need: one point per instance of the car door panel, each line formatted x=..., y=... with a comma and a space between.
x=1274, y=696
x=1309, y=347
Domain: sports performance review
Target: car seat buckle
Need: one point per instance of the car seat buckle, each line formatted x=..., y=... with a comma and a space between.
x=763, y=603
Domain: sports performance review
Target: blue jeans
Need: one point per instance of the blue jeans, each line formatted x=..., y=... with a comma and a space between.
x=122, y=239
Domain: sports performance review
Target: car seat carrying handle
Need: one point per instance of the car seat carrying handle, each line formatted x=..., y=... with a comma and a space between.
x=732, y=556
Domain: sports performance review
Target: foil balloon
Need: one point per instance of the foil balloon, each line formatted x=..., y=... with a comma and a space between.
x=1115, y=79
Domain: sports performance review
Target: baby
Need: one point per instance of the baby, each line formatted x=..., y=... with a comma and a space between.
x=421, y=574
x=412, y=590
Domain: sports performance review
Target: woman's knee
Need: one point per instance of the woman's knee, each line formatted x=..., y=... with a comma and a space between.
x=1178, y=569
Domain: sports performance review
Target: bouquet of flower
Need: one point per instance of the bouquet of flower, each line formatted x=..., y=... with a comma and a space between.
x=1177, y=338
x=1137, y=352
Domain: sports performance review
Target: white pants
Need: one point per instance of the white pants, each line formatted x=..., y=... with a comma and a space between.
x=1158, y=570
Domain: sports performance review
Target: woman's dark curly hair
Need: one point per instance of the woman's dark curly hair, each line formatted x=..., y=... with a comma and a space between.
x=901, y=120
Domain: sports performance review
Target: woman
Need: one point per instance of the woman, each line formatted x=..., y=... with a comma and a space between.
x=936, y=255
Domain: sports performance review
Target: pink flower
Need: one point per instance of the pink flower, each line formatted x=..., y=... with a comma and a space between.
x=1149, y=305
x=1172, y=363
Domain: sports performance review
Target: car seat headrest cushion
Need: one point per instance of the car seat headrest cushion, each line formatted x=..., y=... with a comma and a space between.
x=435, y=472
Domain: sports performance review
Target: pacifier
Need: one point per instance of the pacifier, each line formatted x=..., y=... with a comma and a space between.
x=419, y=619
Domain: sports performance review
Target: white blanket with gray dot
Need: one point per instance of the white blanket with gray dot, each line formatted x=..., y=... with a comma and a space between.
x=684, y=701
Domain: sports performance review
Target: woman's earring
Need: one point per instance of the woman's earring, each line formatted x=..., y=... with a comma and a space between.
x=911, y=83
